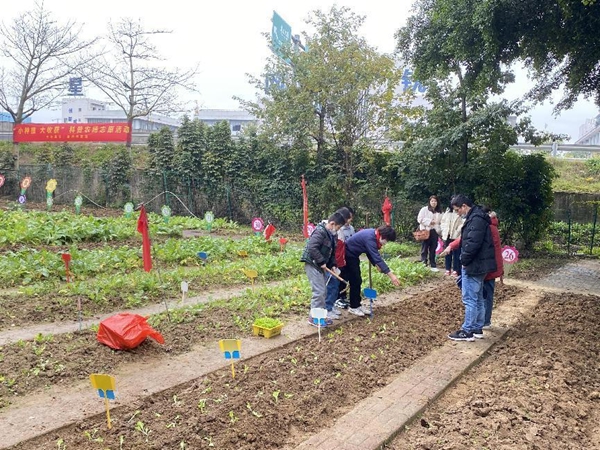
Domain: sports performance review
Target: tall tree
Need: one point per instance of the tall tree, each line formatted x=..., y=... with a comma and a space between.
x=558, y=41
x=40, y=53
x=130, y=76
x=338, y=92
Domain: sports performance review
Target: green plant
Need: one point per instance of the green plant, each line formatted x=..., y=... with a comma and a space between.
x=267, y=322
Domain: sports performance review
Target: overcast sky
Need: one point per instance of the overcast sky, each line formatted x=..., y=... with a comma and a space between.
x=225, y=39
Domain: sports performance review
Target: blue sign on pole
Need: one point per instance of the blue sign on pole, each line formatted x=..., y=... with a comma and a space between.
x=281, y=34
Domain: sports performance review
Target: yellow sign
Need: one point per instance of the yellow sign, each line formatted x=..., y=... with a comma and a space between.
x=51, y=185
x=106, y=387
x=231, y=350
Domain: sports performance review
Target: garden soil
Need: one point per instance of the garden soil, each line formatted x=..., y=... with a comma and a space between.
x=537, y=389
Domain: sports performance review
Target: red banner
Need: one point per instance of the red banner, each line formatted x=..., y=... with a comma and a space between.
x=68, y=132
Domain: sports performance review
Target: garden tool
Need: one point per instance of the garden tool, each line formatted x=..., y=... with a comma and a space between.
x=339, y=278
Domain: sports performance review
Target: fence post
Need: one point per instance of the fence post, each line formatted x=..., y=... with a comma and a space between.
x=165, y=188
x=569, y=233
x=228, y=202
x=594, y=228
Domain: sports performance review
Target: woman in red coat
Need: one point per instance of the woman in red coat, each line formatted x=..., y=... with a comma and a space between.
x=489, y=282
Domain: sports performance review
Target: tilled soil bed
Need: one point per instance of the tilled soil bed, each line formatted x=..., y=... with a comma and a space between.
x=539, y=389
x=279, y=398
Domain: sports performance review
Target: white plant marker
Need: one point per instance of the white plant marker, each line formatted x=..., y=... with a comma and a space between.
x=319, y=314
x=184, y=289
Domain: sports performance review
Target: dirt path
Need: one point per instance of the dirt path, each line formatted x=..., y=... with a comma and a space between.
x=29, y=332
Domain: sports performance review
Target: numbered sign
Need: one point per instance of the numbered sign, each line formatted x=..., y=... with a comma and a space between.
x=510, y=255
x=22, y=199
x=310, y=228
x=128, y=208
x=2, y=180
x=319, y=318
x=257, y=224
x=166, y=213
x=209, y=218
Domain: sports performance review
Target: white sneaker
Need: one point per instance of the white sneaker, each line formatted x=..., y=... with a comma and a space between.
x=333, y=316
x=356, y=311
x=435, y=269
x=337, y=311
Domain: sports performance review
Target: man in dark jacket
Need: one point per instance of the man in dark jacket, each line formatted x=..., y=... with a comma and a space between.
x=477, y=259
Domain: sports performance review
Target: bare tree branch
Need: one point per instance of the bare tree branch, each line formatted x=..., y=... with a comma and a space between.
x=40, y=52
x=130, y=74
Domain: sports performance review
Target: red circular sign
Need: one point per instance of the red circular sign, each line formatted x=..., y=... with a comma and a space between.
x=2, y=179
x=510, y=254
x=257, y=224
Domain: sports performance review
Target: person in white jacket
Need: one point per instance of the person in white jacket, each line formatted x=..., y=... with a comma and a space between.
x=430, y=218
x=451, y=226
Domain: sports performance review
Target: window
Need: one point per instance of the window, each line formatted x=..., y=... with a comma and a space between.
x=79, y=109
x=236, y=128
x=70, y=119
x=70, y=110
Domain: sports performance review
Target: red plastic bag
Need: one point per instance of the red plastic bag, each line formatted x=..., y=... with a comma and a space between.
x=126, y=331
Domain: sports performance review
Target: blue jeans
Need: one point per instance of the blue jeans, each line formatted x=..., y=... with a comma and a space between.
x=472, y=297
x=333, y=287
x=452, y=259
x=488, y=300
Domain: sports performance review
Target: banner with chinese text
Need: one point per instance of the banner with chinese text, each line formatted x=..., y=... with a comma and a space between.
x=67, y=132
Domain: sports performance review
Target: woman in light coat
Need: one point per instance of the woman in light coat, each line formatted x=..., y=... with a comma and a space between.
x=451, y=225
x=429, y=218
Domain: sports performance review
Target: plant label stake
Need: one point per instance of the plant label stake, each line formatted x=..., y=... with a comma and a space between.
x=282, y=242
x=231, y=349
x=184, y=289
x=66, y=257
x=371, y=294
x=203, y=256
x=105, y=386
x=78, y=203
x=209, y=218
x=128, y=208
x=50, y=187
x=243, y=253
x=257, y=225
x=320, y=314
x=251, y=273
x=166, y=213
x=25, y=183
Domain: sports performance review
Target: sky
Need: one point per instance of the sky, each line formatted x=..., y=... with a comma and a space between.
x=225, y=39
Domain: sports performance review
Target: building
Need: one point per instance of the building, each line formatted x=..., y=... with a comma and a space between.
x=589, y=132
x=6, y=126
x=237, y=118
x=86, y=110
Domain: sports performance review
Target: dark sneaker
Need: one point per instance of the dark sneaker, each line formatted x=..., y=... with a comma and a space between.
x=478, y=334
x=342, y=303
x=461, y=335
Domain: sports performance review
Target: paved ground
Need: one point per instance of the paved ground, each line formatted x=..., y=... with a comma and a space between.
x=389, y=410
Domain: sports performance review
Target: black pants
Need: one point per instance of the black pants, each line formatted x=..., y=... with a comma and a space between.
x=429, y=246
x=355, y=279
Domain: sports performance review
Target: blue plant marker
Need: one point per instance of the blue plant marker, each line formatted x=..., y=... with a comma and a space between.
x=203, y=256
x=371, y=294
